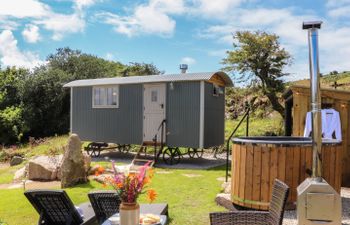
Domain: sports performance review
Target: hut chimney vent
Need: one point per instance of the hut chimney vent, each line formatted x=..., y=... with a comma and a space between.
x=183, y=68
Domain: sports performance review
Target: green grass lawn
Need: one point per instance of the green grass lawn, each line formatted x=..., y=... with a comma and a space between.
x=190, y=199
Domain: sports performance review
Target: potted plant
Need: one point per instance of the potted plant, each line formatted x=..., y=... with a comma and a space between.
x=129, y=185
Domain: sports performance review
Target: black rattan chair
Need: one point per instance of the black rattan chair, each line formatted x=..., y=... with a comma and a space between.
x=105, y=204
x=55, y=208
x=272, y=217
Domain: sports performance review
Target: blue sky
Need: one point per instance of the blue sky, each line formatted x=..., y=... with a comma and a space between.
x=169, y=32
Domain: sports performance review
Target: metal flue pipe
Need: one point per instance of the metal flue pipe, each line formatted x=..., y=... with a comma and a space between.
x=313, y=28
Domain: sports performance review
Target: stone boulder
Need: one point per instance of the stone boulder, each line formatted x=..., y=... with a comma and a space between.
x=225, y=201
x=16, y=160
x=44, y=167
x=20, y=174
x=87, y=161
x=73, y=166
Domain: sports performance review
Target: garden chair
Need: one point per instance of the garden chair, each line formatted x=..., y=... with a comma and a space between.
x=105, y=204
x=272, y=217
x=56, y=208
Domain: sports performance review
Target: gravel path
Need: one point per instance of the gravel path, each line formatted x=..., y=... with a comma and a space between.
x=206, y=162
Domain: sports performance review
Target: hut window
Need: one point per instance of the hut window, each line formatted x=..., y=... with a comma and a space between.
x=217, y=90
x=154, y=96
x=105, y=97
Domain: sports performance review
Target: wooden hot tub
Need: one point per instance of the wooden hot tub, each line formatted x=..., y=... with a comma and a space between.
x=257, y=161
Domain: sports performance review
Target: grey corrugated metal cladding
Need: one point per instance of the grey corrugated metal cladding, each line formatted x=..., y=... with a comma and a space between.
x=121, y=125
x=183, y=114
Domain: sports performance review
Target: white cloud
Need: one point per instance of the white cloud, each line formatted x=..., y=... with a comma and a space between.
x=217, y=8
x=12, y=56
x=188, y=60
x=343, y=11
x=337, y=3
x=22, y=9
x=151, y=18
x=8, y=24
x=31, y=33
x=80, y=4
x=61, y=24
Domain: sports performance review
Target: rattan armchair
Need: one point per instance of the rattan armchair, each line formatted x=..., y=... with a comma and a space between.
x=105, y=204
x=56, y=208
x=272, y=217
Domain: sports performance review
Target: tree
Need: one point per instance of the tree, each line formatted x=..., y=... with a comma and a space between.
x=141, y=69
x=11, y=123
x=259, y=59
x=45, y=103
x=80, y=65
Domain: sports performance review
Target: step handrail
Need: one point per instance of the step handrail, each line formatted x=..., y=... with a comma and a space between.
x=161, y=126
x=245, y=115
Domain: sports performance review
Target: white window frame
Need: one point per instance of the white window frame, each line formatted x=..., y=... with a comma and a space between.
x=105, y=106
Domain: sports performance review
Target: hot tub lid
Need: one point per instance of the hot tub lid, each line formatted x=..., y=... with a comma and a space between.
x=281, y=140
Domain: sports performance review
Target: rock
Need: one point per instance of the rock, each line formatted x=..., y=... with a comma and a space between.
x=227, y=187
x=73, y=166
x=87, y=161
x=16, y=160
x=44, y=167
x=20, y=174
x=225, y=201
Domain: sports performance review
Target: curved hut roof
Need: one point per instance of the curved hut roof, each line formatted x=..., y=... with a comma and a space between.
x=218, y=77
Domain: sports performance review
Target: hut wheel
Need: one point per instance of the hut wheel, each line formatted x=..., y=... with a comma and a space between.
x=195, y=153
x=93, y=149
x=171, y=156
x=127, y=148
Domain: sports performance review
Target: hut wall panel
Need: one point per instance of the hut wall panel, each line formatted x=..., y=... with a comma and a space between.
x=214, y=117
x=118, y=125
x=183, y=114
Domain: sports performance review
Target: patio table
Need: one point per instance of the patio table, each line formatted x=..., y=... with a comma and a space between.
x=163, y=220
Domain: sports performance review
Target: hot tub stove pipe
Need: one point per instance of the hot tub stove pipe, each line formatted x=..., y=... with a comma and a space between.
x=317, y=201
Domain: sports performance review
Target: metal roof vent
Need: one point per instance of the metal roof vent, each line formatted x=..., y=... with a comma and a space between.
x=183, y=68
x=318, y=202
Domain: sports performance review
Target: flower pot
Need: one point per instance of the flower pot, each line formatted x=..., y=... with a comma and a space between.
x=129, y=213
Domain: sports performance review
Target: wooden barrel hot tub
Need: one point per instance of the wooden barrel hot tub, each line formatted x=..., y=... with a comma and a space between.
x=257, y=161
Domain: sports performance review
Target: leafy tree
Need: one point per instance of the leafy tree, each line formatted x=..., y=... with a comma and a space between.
x=141, y=69
x=11, y=122
x=45, y=103
x=260, y=60
x=80, y=65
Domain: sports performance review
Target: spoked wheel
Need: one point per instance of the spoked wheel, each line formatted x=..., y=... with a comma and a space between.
x=124, y=148
x=171, y=156
x=195, y=152
x=127, y=148
x=93, y=150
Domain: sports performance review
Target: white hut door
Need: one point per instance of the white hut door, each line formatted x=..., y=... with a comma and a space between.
x=154, y=111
